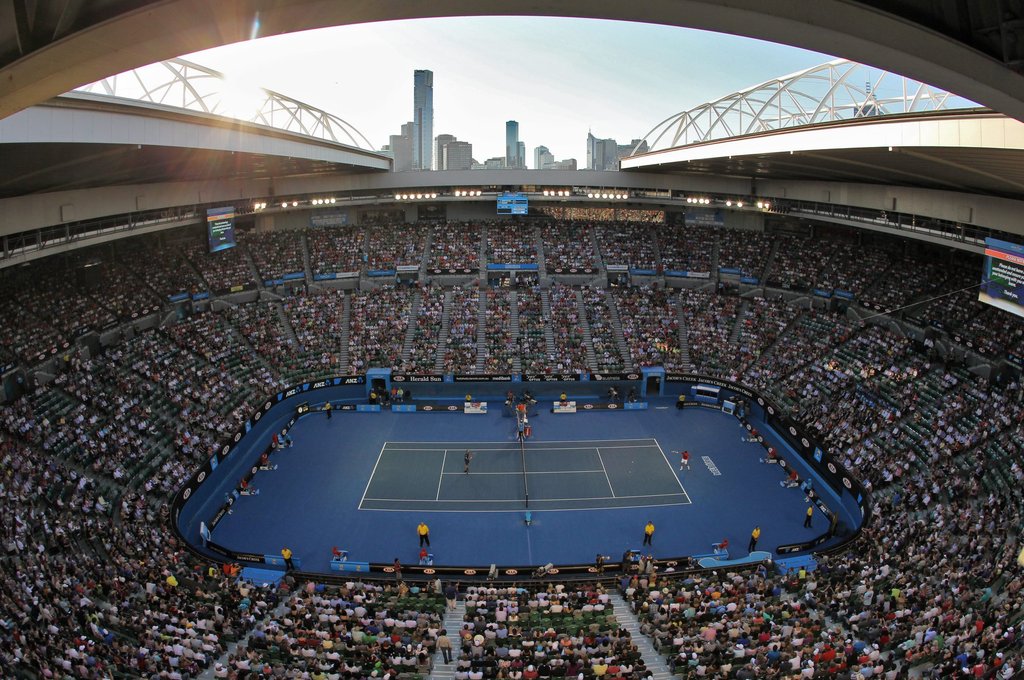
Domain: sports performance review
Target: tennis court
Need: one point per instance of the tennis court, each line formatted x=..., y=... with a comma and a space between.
x=570, y=475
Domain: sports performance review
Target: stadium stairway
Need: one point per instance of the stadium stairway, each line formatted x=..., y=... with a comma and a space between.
x=715, y=249
x=452, y=623
x=482, y=257
x=769, y=261
x=442, y=335
x=307, y=266
x=549, y=333
x=346, y=331
x=253, y=269
x=684, y=338
x=410, y=330
x=542, y=266
x=481, y=330
x=513, y=328
x=588, y=336
x=627, y=620
x=286, y=326
x=428, y=242
x=620, y=339
x=741, y=316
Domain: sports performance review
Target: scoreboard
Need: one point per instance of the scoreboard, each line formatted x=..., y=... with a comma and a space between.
x=513, y=203
x=1002, y=279
x=220, y=228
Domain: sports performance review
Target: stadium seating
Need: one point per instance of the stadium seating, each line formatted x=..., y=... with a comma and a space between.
x=91, y=453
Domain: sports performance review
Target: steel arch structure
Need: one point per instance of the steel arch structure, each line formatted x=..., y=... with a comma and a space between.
x=834, y=91
x=185, y=85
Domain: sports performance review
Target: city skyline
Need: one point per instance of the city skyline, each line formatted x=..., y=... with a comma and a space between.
x=563, y=78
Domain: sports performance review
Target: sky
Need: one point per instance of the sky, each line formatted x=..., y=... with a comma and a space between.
x=558, y=77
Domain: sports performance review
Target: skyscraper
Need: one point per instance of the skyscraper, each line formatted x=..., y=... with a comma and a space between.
x=602, y=154
x=520, y=154
x=457, y=156
x=422, y=120
x=512, y=144
x=541, y=157
x=439, y=143
x=401, y=149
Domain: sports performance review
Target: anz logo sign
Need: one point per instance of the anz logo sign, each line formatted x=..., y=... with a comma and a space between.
x=319, y=384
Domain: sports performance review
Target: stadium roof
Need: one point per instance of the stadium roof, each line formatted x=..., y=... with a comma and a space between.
x=974, y=151
x=975, y=49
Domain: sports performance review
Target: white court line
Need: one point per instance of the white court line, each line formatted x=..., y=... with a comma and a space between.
x=606, y=477
x=539, y=447
x=578, y=499
x=673, y=471
x=372, y=473
x=440, y=477
x=529, y=472
x=520, y=510
x=548, y=441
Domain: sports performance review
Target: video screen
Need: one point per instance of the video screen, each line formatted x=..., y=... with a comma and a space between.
x=220, y=228
x=513, y=204
x=1002, y=279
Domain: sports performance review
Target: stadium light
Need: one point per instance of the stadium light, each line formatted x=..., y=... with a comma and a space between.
x=295, y=204
x=285, y=204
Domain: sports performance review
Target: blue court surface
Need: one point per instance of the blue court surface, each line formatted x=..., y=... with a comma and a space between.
x=364, y=481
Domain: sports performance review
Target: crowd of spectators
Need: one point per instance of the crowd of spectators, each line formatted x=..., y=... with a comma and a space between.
x=319, y=323
x=797, y=263
x=744, y=251
x=511, y=243
x=811, y=335
x=275, y=253
x=568, y=245
x=165, y=270
x=570, y=354
x=389, y=247
x=223, y=270
x=909, y=279
x=26, y=335
x=261, y=325
x=710, y=320
x=461, y=343
x=500, y=354
x=356, y=630
x=687, y=248
x=336, y=250
x=379, y=319
x=54, y=291
x=533, y=345
x=762, y=321
x=606, y=348
x=456, y=245
x=426, y=334
x=650, y=325
x=853, y=268
x=96, y=587
x=628, y=244
x=527, y=633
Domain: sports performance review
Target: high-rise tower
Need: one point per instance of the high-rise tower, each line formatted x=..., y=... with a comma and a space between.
x=423, y=120
x=512, y=159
